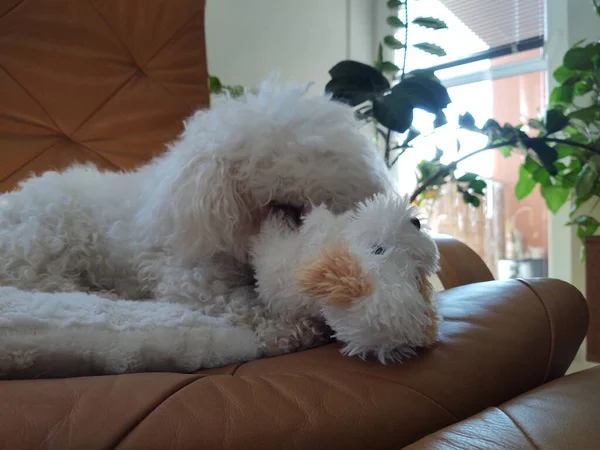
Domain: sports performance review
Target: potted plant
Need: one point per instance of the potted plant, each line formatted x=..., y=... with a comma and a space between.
x=561, y=149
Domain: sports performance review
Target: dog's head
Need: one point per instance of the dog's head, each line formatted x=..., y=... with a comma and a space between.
x=237, y=161
x=372, y=281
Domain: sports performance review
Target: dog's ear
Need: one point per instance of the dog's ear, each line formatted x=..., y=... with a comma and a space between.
x=196, y=205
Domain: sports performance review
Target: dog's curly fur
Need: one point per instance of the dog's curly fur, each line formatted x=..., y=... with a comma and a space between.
x=178, y=228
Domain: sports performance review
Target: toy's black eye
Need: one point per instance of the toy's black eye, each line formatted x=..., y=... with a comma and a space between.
x=416, y=222
x=379, y=251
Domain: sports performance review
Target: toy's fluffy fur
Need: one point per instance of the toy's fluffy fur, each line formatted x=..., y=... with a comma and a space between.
x=177, y=229
x=365, y=272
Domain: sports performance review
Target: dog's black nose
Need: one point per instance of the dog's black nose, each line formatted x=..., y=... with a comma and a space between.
x=416, y=222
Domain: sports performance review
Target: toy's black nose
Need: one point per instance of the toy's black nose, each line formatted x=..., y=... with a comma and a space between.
x=416, y=222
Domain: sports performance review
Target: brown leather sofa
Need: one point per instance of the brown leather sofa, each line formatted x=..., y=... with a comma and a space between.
x=109, y=82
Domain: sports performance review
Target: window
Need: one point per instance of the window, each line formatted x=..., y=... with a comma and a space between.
x=494, y=68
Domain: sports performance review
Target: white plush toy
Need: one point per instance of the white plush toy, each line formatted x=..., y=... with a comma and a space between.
x=365, y=272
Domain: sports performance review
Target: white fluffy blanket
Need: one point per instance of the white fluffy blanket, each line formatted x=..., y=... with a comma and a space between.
x=69, y=334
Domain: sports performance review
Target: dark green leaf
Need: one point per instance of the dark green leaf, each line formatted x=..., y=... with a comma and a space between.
x=425, y=74
x=525, y=185
x=561, y=95
x=393, y=43
x=395, y=22
x=391, y=68
x=582, y=87
x=475, y=201
x=431, y=48
x=471, y=199
x=354, y=82
x=351, y=90
x=379, y=60
x=586, y=225
x=440, y=120
x=214, y=85
x=360, y=71
x=468, y=177
x=541, y=176
x=568, y=179
x=394, y=4
x=430, y=22
x=563, y=74
x=236, y=91
x=555, y=196
x=493, y=130
x=531, y=165
x=393, y=114
x=467, y=121
x=536, y=124
x=586, y=181
x=578, y=58
x=478, y=186
x=546, y=154
x=505, y=150
x=555, y=121
x=413, y=133
x=563, y=151
x=587, y=115
x=422, y=92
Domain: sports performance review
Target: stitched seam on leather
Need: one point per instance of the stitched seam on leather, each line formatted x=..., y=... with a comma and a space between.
x=29, y=161
x=11, y=9
x=99, y=155
x=153, y=408
x=104, y=103
x=113, y=31
x=435, y=402
x=177, y=97
x=35, y=100
x=174, y=36
x=236, y=368
x=552, y=336
x=514, y=422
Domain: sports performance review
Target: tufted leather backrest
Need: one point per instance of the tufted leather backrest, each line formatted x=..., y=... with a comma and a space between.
x=101, y=81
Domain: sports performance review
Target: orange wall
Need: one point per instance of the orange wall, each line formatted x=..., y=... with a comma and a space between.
x=515, y=100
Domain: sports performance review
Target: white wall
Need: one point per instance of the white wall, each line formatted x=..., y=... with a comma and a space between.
x=302, y=39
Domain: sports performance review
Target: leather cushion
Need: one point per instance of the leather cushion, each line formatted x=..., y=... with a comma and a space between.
x=559, y=415
x=498, y=340
x=106, y=82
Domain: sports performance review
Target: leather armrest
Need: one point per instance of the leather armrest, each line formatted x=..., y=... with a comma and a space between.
x=559, y=415
x=498, y=340
x=459, y=264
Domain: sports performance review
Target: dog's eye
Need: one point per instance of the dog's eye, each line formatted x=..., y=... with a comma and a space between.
x=379, y=250
x=416, y=222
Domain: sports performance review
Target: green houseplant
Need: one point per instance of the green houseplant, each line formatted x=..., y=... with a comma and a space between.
x=561, y=149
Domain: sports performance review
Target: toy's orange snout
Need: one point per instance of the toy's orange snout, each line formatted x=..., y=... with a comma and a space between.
x=335, y=276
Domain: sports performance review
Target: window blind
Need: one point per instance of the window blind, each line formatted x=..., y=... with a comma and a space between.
x=477, y=30
x=505, y=27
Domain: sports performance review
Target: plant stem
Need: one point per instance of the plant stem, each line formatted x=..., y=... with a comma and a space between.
x=445, y=171
x=405, y=40
x=388, y=136
x=397, y=156
x=589, y=148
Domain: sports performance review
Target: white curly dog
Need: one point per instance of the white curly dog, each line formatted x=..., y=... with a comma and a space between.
x=178, y=228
